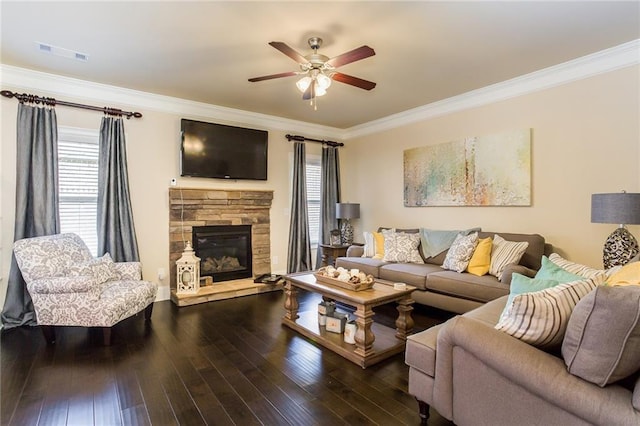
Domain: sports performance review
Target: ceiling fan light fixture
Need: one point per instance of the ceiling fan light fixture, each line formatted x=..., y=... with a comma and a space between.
x=303, y=83
x=323, y=81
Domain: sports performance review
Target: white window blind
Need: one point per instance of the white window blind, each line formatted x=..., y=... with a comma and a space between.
x=78, y=183
x=313, y=197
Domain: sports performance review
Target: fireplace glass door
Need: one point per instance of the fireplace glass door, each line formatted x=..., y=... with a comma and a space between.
x=224, y=251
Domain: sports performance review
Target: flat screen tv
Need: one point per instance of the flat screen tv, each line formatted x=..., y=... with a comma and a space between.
x=226, y=152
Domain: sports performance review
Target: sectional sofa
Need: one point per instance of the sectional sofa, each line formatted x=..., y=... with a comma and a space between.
x=473, y=374
x=444, y=289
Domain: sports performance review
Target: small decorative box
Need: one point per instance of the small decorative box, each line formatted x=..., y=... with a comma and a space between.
x=335, y=324
x=326, y=308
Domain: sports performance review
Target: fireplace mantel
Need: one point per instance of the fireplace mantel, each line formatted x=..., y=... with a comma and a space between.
x=203, y=207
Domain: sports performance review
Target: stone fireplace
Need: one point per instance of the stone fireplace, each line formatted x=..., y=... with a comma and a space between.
x=228, y=211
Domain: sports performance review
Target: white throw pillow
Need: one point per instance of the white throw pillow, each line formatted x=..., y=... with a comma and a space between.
x=401, y=247
x=460, y=252
x=504, y=253
x=540, y=318
x=369, y=245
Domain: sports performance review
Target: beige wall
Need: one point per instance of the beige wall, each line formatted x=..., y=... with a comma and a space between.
x=153, y=159
x=585, y=140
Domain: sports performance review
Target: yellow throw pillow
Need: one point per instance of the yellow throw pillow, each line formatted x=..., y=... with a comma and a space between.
x=629, y=274
x=379, y=243
x=481, y=258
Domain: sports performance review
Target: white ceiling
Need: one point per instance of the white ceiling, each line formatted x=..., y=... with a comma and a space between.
x=205, y=51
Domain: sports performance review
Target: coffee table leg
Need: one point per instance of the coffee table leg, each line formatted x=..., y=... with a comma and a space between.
x=404, y=323
x=364, y=335
x=291, y=301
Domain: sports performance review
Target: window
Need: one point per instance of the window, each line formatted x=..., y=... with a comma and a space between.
x=313, y=197
x=78, y=183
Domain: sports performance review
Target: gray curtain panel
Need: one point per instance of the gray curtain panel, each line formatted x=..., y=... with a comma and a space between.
x=116, y=233
x=299, y=256
x=329, y=195
x=36, y=200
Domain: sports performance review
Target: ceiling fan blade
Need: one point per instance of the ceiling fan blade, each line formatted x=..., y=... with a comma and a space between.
x=351, y=56
x=354, y=81
x=289, y=52
x=272, y=76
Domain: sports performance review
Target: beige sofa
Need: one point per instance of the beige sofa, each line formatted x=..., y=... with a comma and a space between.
x=473, y=374
x=449, y=290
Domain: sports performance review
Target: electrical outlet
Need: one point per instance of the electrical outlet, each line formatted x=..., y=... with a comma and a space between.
x=274, y=260
x=161, y=274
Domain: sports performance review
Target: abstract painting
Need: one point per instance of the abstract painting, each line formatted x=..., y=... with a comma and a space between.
x=492, y=170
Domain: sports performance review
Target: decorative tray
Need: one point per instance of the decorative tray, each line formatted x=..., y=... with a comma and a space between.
x=344, y=284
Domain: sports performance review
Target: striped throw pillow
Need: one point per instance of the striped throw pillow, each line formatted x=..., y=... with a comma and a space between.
x=503, y=253
x=540, y=318
x=575, y=268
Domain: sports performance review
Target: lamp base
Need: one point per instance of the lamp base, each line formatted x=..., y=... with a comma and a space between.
x=620, y=247
x=346, y=232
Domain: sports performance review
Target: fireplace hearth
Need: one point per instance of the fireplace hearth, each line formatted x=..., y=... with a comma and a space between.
x=224, y=251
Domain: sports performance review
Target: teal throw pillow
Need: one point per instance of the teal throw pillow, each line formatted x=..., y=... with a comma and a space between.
x=521, y=284
x=551, y=271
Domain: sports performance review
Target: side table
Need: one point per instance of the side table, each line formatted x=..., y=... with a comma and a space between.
x=332, y=252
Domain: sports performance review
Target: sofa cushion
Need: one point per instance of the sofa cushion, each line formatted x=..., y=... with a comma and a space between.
x=460, y=253
x=466, y=286
x=629, y=274
x=378, y=243
x=101, y=268
x=521, y=285
x=481, y=258
x=369, y=249
x=505, y=252
x=533, y=255
x=602, y=342
x=575, y=268
x=437, y=260
x=365, y=264
x=401, y=247
x=551, y=271
x=541, y=318
x=409, y=273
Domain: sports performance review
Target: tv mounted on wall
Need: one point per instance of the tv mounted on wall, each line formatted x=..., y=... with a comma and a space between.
x=225, y=152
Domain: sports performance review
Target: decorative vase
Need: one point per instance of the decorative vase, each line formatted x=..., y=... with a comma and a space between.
x=346, y=232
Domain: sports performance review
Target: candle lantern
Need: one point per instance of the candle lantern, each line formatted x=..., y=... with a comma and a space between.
x=188, y=272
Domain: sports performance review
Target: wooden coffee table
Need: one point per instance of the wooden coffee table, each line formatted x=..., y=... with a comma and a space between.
x=374, y=342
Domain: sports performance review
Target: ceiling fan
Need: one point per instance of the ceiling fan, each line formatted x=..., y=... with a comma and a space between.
x=319, y=70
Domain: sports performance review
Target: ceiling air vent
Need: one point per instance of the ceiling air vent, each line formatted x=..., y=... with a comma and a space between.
x=61, y=51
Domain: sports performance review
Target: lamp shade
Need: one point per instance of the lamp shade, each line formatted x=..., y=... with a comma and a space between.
x=347, y=211
x=620, y=207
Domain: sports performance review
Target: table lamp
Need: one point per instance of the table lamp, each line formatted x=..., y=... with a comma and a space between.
x=345, y=212
x=622, y=208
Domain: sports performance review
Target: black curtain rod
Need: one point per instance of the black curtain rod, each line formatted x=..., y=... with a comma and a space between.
x=25, y=97
x=303, y=139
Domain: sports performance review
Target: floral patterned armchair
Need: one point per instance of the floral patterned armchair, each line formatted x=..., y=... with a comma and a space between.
x=69, y=287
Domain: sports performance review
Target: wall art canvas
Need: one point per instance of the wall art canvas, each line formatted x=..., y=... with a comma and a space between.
x=492, y=170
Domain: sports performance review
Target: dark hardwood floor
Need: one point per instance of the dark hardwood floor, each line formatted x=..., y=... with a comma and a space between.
x=220, y=363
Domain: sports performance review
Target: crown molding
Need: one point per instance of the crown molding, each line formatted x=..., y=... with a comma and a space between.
x=622, y=56
x=57, y=85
